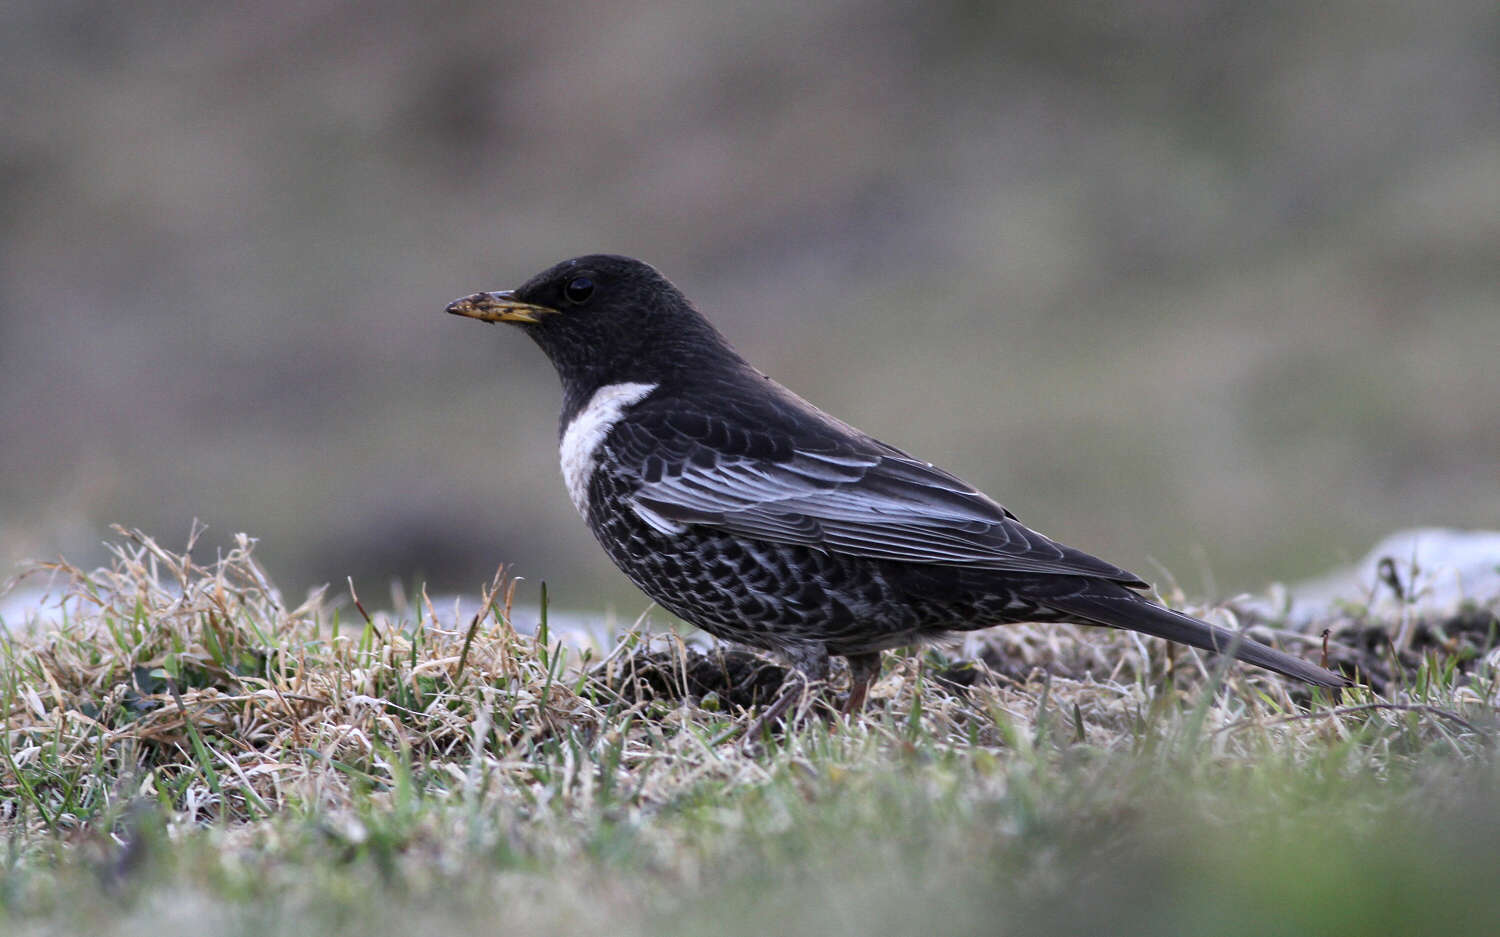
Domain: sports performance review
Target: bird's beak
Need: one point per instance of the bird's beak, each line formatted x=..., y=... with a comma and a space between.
x=499, y=307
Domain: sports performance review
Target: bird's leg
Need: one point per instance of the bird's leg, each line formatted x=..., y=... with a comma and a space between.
x=808, y=670
x=863, y=669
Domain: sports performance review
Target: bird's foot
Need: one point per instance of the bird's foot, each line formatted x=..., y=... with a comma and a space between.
x=799, y=695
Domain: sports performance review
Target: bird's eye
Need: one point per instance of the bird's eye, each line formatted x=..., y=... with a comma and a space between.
x=578, y=290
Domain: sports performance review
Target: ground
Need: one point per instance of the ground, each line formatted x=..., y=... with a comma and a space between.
x=185, y=753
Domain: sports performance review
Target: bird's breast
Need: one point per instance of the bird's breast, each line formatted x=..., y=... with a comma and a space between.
x=586, y=432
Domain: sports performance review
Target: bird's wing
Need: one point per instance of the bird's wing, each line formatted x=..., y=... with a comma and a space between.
x=868, y=500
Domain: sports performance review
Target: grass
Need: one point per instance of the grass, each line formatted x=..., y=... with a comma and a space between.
x=184, y=752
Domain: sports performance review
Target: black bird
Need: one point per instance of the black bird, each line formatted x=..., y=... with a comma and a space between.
x=752, y=514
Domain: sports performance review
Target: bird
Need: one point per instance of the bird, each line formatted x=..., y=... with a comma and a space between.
x=753, y=515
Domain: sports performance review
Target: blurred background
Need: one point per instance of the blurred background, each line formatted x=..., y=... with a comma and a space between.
x=1202, y=286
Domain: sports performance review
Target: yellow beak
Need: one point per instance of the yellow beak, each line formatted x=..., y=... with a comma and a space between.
x=499, y=307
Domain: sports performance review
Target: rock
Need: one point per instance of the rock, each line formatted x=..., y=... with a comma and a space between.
x=1427, y=572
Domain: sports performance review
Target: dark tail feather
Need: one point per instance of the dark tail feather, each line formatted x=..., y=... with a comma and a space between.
x=1133, y=613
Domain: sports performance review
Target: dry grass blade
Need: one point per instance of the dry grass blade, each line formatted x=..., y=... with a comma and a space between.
x=196, y=684
x=157, y=649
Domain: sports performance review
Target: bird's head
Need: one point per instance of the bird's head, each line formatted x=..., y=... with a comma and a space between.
x=604, y=319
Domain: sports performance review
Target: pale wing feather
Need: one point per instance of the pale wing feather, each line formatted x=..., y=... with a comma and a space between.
x=878, y=506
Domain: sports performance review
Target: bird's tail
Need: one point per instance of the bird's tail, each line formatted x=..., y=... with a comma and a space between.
x=1130, y=611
